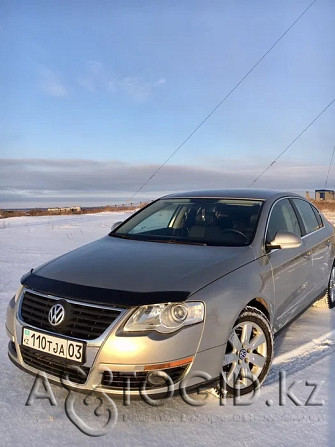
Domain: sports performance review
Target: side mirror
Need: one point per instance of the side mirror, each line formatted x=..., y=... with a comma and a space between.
x=283, y=240
x=116, y=224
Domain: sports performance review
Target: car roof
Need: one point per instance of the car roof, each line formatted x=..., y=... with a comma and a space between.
x=260, y=194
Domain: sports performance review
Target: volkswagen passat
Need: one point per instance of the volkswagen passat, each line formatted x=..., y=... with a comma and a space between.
x=194, y=282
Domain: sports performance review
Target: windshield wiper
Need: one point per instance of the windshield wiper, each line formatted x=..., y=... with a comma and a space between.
x=123, y=236
x=164, y=241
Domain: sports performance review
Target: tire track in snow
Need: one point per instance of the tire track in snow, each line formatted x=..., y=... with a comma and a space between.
x=302, y=357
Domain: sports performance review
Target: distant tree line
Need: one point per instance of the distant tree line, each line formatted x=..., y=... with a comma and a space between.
x=43, y=212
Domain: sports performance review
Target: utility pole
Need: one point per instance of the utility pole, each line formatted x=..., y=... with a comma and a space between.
x=330, y=164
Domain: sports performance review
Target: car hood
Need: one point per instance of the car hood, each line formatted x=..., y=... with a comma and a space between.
x=128, y=272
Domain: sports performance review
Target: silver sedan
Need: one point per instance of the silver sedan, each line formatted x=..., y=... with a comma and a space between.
x=189, y=289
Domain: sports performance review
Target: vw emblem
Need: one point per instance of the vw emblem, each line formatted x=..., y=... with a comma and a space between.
x=56, y=314
x=243, y=354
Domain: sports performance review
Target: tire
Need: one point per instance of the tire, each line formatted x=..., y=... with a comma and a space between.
x=331, y=289
x=328, y=301
x=251, y=339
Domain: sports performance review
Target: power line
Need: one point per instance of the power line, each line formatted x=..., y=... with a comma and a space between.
x=330, y=164
x=292, y=142
x=224, y=99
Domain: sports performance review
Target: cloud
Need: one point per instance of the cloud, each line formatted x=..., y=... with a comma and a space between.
x=95, y=66
x=45, y=182
x=160, y=82
x=96, y=78
x=51, y=83
x=135, y=88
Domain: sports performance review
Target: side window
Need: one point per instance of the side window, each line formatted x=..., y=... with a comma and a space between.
x=307, y=215
x=318, y=216
x=282, y=218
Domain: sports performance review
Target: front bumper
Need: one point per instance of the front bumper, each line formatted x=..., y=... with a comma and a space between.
x=116, y=363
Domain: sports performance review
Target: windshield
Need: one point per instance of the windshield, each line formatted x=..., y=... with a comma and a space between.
x=229, y=222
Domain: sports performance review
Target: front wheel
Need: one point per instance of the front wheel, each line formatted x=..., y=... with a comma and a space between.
x=249, y=353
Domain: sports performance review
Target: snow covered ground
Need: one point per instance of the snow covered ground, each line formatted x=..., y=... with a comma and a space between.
x=305, y=350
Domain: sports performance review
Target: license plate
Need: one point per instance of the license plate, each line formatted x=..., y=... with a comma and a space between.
x=57, y=346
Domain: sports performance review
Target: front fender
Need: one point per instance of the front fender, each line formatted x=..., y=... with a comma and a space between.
x=226, y=297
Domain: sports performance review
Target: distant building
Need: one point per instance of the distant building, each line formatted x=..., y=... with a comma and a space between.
x=54, y=210
x=324, y=194
x=73, y=209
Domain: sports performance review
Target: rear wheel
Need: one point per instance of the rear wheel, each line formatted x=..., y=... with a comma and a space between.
x=328, y=301
x=331, y=289
x=248, y=354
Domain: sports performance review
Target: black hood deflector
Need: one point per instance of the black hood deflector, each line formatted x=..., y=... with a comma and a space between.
x=98, y=295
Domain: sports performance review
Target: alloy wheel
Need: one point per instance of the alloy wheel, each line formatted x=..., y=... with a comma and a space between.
x=331, y=288
x=248, y=355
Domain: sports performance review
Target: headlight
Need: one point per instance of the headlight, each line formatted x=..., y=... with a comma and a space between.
x=166, y=317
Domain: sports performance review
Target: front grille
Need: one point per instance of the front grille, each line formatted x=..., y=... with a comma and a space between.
x=118, y=380
x=54, y=366
x=81, y=321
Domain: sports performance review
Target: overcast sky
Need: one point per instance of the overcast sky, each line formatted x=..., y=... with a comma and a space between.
x=96, y=95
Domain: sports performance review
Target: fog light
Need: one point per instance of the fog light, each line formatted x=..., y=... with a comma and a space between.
x=158, y=378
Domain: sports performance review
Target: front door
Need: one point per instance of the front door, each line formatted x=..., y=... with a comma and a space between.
x=291, y=268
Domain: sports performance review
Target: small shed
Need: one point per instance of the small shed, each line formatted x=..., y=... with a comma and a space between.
x=324, y=194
